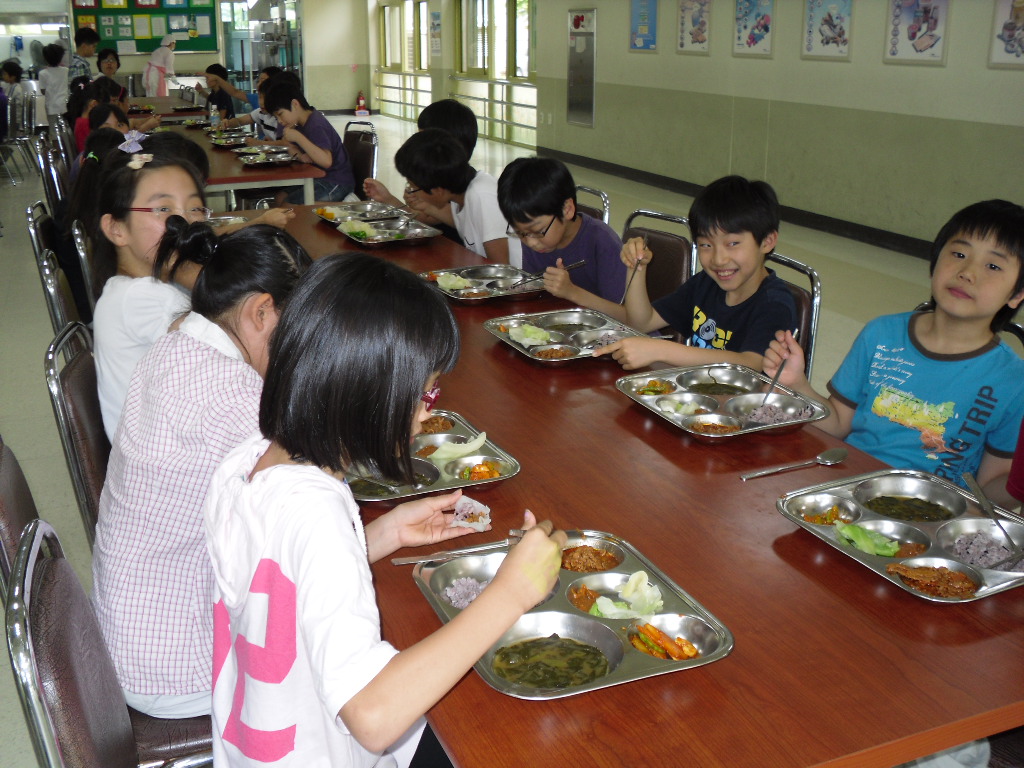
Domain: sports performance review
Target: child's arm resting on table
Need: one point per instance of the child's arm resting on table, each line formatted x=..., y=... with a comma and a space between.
x=414, y=680
x=839, y=422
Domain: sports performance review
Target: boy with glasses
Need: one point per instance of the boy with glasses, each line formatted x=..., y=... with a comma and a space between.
x=537, y=196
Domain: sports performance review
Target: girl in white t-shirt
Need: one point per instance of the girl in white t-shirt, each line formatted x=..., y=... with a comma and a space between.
x=138, y=191
x=301, y=675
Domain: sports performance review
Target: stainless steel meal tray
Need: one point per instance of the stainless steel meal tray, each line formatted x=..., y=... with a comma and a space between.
x=939, y=537
x=729, y=409
x=437, y=476
x=228, y=142
x=196, y=124
x=268, y=149
x=223, y=220
x=267, y=161
x=575, y=331
x=364, y=210
x=682, y=616
x=487, y=281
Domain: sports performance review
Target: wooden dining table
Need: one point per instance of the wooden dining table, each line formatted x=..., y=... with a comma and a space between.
x=168, y=106
x=228, y=175
x=832, y=665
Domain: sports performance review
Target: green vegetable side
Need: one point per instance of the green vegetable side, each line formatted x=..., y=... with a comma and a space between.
x=865, y=540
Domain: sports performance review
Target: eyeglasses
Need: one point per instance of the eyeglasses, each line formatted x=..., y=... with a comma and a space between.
x=529, y=235
x=165, y=211
x=411, y=190
x=431, y=396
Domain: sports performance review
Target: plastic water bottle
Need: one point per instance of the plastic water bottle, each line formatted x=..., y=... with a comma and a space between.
x=214, y=116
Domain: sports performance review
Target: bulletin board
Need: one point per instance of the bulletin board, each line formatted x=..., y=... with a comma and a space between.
x=136, y=26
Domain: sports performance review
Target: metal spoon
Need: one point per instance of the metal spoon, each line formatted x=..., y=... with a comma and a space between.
x=825, y=458
x=986, y=507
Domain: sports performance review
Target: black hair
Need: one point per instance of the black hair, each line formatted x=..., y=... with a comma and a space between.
x=734, y=204
x=53, y=54
x=348, y=363
x=452, y=116
x=219, y=70
x=282, y=94
x=170, y=143
x=116, y=193
x=1000, y=220
x=98, y=115
x=271, y=71
x=80, y=93
x=82, y=197
x=106, y=89
x=86, y=36
x=433, y=159
x=534, y=186
x=13, y=69
x=256, y=259
x=108, y=53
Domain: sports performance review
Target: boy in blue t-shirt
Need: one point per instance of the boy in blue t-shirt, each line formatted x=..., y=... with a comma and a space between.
x=537, y=196
x=315, y=141
x=734, y=306
x=936, y=390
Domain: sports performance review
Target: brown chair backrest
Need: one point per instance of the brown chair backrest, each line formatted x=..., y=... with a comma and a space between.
x=603, y=212
x=361, y=148
x=60, y=301
x=17, y=509
x=76, y=407
x=73, y=702
x=673, y=254
x=807, y=301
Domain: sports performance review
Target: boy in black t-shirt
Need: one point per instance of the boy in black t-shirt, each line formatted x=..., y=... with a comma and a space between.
x=217, y=78
x=730, y=310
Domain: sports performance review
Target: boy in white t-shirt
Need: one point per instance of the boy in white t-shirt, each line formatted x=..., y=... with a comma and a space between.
x=442, y=184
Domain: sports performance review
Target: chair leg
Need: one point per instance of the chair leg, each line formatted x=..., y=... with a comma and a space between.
x=3, y=160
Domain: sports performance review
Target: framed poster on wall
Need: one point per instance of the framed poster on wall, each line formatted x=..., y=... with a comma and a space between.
x=694, y=21
x=917, y=32
x=826, y=30
x=752, y=33
x=643, y=25
x=1007, y=51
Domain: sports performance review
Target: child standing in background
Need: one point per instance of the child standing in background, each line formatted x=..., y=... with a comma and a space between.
x=537, y=196
x=731, y=309
x=53, y=81
x=936, y=390
x=86, y=42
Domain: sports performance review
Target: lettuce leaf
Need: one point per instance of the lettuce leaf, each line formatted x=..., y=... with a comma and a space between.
x=528, y=335
x=871, y=542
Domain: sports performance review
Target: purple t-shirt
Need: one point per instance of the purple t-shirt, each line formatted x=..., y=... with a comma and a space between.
x=604, y=273
x=322, y=133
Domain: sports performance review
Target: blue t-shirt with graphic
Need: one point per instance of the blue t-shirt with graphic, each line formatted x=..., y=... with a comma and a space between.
x=698, y=311
x=918, y=410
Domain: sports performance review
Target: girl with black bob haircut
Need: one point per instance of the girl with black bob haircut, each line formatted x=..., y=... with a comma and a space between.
x=353, y=369
x=369, y=335
x=192, y=398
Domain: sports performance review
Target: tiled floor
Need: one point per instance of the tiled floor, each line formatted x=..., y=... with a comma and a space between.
x=859, y=282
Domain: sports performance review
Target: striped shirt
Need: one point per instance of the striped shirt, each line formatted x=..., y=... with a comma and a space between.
x=191, y=400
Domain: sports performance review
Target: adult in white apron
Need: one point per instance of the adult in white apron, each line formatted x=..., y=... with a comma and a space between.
x=159, y=67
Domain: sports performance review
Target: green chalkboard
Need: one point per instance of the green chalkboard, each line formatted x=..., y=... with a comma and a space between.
x=136, y=26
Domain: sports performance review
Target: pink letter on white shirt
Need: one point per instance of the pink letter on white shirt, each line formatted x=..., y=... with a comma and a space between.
x=269, y=663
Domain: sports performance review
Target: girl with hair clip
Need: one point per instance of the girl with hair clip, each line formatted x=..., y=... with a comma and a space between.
x=192, y=398
x=353, y=373
x=138, y=192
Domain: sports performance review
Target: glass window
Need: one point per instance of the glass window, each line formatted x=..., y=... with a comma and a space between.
x=423, y=17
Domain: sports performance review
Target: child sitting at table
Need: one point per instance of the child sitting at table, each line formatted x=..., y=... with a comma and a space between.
x=442, y=184
x=302, y=676
x=192, y=398
x=268, y=131
x=936, y=390
x=218, y=95
x=730, y=310
x=537, y=195
x=314, y=141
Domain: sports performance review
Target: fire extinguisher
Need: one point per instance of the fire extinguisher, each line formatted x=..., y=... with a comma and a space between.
x=360, y=101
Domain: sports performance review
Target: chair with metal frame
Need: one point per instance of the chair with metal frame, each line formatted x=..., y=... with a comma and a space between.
x=60, y=299
x=360, y=140
x=83, y=246
x=808, y=304
x=65, y=137
x=42, y=229
x=73, y=704
x=603, y=212
x=17, y=509
x=50, y=164
x=76, y=409
x=673, y=260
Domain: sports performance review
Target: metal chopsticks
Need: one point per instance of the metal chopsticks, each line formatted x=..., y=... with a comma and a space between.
x=988, y=509
x=540, y=275
x=446, y=555
x=633, y=273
